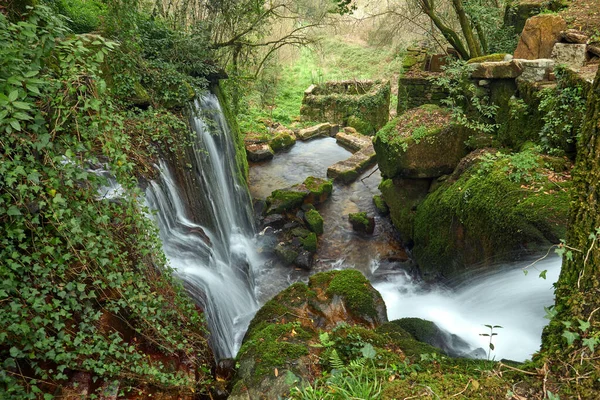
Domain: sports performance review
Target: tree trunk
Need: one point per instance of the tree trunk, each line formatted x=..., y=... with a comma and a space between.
x=450, y=35
x=578, y=287
x=465, y=25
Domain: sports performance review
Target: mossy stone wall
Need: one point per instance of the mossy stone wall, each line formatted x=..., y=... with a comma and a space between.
x=364, y=104
x=416, y=91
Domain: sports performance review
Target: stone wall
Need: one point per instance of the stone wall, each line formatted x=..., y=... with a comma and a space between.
x=364, y=105
x=414, y=91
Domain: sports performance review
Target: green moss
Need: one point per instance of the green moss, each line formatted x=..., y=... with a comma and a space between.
x=270, y=312
x=285, y=253
x=359, y=218
x=318, y=186
x=310, y=242
x=488, y=58
x=486, y=215
x=353, y=287
x=240, y=147
x=404, y=340
x=382, y=208
x=360, y=125
x=274, y=346
x=282, y=200
x=282, y=141
x=314, y=220
x=402, y=197
x=300, y=232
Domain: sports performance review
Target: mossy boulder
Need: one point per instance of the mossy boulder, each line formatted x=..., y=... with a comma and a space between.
x=428, y=332
x=496, y=57
x=310, y=242
x=285, y=200
x=283, y=140
x=279, y=337
x=286, y=254
x=311, y=191
x=361, y=222
x=500, y=208
x=402, y=196
x=422, y=143
x=314, y=220
x=380, y=205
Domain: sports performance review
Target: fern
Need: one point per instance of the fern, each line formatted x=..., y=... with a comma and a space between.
x=336, y=361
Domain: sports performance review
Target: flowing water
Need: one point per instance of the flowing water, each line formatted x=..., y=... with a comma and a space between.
x=217, y=262
x=508, y=297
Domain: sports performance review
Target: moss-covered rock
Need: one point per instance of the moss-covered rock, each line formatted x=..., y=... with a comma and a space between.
x=420, y=144
x=285, y=200
x=280, y=335
x=286, y=254
x=311, y=191
x=498, y=209
x=314, y=220
x=402, y=196
x=361, y=222
x=380, y=205
x=310, y=242
x=496, y=57
x=282, y=141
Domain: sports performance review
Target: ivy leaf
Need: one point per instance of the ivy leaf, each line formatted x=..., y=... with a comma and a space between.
x=590, y=343
x=543, y=274
x=368, y=351
x=570, y=336
x=583, y=325
x=13, y=211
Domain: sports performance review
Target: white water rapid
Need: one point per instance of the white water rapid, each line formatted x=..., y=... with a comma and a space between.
x=218, y=272
x=508, y=298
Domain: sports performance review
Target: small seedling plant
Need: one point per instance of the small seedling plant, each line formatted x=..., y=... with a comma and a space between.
x=491, y=335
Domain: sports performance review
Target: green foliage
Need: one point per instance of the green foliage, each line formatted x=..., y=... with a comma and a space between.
x=71, y=260
x=83, y=16
x=469, y=104
x=563, y=109
x=521, y=167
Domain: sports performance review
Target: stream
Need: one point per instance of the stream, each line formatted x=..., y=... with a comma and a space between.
x=222, y=266
x=507, y=297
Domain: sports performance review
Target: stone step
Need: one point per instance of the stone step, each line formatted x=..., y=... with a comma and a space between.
x=348, y=170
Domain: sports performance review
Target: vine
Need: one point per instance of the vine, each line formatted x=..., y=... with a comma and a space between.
x=70, y=261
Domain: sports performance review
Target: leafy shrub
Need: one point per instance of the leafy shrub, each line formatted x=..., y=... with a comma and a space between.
x=469, y=104
x=563, y=109
x=69, y=259
x=83, y=16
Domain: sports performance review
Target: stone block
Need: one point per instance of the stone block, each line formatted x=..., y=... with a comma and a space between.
x=314, y=131
x=573, y=56
x=259, y=152
x=497, y=70
x=536, y=70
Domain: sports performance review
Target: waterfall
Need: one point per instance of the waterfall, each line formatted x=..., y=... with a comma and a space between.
x=506, y=297
x=215, y=260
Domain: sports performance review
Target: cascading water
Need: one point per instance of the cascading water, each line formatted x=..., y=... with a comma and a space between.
x=217, y=260
x=507, y=297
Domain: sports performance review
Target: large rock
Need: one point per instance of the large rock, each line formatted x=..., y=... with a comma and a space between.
x=311, y=191
x=573, y=56
x=423, y=153
x=282, y=140
x=491, y=211
x=497, y=70
x=276, y=346
x=259, y=152
x=539, y=36
x=402, y=197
